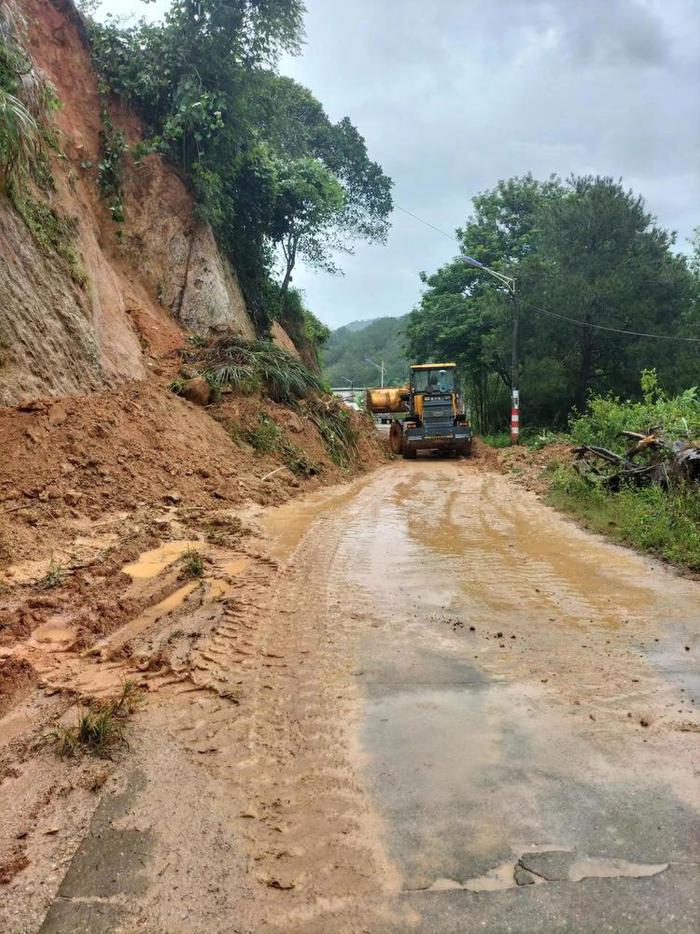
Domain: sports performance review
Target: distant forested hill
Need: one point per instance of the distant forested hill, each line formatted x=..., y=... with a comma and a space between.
x=380, y=339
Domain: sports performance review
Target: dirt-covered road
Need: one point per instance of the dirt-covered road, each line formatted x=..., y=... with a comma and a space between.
x=434, y=705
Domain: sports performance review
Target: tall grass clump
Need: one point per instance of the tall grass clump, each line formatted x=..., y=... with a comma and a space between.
x=334, y=423
x=100, y=727
x=235, y=363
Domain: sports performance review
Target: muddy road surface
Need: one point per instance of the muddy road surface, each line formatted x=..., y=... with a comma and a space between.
x=430, y=703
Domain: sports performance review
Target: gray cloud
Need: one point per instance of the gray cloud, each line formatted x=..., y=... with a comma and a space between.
x=603, y=33
x=454, y=95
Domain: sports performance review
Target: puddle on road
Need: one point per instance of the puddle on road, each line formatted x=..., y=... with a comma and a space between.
x=505, y=875
x=31, y=572
x=286, y=525
x=152, y=562
x=55, y=633
x=13, y=724
x=613, y=869
x=146, y=619
x=495, y=880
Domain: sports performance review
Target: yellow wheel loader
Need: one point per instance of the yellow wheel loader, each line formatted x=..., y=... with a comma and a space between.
x=434, y=416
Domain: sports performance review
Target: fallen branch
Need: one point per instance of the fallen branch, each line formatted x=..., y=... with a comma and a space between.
x=273, y=472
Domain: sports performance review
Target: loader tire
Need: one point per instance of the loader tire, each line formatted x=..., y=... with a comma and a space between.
x=396, y=437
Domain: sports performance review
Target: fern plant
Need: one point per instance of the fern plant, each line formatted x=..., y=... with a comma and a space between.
x=239, y=364
x=19, y=138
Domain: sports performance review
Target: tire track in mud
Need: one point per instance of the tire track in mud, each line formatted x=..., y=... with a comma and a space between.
x=272, y=718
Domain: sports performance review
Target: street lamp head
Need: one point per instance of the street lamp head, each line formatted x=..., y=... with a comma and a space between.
x=470, y=261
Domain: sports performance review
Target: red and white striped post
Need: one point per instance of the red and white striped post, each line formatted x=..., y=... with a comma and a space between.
x=515, y=417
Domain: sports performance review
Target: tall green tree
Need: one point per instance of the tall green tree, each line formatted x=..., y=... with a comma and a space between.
x=586, y=250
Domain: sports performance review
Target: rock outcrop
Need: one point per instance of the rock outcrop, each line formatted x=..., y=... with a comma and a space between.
x=134, y=287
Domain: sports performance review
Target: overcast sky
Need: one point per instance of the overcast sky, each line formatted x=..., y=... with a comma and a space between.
x=454, y=95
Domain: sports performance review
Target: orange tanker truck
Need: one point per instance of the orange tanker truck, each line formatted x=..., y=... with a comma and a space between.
x=434, y=416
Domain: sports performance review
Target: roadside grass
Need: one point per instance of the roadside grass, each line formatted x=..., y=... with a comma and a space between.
x=265, y=437
x=53, y=577
x=500, y=440
x=661, y=522
x=193, y=563
x=100, y=728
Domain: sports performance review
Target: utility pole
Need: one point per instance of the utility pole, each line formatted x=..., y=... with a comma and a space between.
x=509, y=283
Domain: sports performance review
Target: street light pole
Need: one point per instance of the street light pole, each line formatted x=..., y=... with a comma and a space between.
x=509, y=283
x=515, y=377
x=378, y=366
x=351, y=384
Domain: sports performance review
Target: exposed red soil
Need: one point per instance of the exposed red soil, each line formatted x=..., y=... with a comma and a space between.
x=529, y=464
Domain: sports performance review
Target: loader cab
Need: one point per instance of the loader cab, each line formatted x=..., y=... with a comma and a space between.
x=433, y=386
x=433, y=378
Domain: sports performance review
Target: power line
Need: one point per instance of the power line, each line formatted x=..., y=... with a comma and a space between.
x=554, y=314
x=427, y=223
x=602, y=327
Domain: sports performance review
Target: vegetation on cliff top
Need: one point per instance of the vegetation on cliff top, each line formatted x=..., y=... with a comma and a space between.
x=279, y=181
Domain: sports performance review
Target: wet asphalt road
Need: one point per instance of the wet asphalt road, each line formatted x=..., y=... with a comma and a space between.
x=528, y=709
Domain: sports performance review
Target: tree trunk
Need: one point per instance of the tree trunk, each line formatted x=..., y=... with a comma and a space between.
x=290, y=255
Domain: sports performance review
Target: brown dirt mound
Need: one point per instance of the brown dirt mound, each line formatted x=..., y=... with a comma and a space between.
x=91, y=481
x=80, y=457
x=531, y=465
x=17, y=677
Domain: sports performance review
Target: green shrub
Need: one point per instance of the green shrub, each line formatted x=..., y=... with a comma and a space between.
x=193, y=563
x=99, y=728
x=266, y=436
x=54, y=576
x=607, y=416
x=110, y=168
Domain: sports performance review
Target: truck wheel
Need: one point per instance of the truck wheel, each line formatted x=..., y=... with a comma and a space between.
x=396, y=437
x=465, y=450
x=410, y=454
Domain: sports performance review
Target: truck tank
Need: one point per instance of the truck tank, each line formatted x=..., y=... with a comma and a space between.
x=393, y=399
